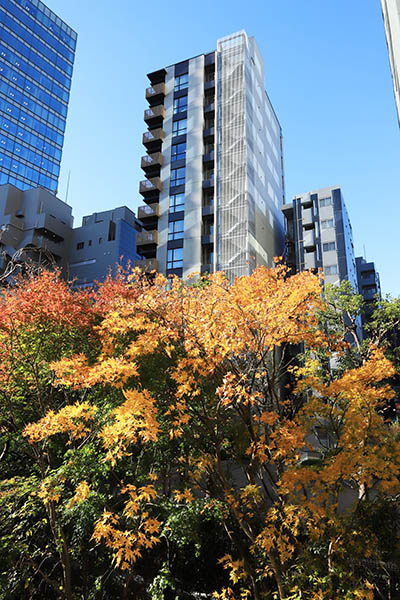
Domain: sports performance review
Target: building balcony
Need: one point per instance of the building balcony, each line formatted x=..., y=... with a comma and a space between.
x=207, y=210
x=208, y=133
x=155, y=93
x=307, y=216
x=147, y=238
x=154, y=115
x=208, y=183
x=151, y=211
x=309, y=238
x=369, y=294
x=310, y=260
x=152, y=162
x=209, y=157
x=147, y=264
x=153, y=139
x=149, y=186
x=207, y=239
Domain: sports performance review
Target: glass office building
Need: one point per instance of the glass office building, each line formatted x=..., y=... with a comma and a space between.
x=37, y=51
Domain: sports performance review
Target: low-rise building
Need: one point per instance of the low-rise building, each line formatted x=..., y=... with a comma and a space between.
x=104, y=241
x=34, y=220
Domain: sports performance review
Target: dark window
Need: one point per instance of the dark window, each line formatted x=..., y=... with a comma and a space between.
x=176, y=203
x=325, y=201
x=89, y=242
x=331, y=270
x=175, y=258
x=100, y=240
x=327, y=224
x=181, y=82
x=175, y=230
x=80, y=245
x=179, y=127
x=178, y=151
x=329, y=246
x=111, y=231
x=178, y=176
x=180, y=104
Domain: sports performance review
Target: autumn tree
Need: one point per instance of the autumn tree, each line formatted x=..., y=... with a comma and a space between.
x=176, y=415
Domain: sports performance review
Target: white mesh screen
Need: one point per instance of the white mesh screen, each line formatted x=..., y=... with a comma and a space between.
x=232, y=209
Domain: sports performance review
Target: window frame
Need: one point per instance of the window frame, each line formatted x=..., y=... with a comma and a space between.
x=174, y=231
x=172, y=261
x=326, y=272
x=177, y=104
x=181, y=82
x=178, y=125
x=327, y=221
x=173, y=205
x=175, y=181
x=178, y=155
x=329, y=249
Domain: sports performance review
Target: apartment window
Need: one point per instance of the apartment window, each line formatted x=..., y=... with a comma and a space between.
x=181, y=82
x=178, y=176
x=180, y=104
x=175, y=258
x=331, y=270
x=178, y=151
x=179, y=127
x=80, y=245
x=328, y=246
x=325, y=201
x=175, y=230
x=176, y=203
x=327, y=224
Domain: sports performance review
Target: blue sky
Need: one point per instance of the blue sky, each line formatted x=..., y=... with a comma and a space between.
x=327, y=74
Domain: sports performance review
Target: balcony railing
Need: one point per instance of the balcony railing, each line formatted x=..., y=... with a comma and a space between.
x=151, y=161
x=146, y=238
x=149, y=211
x=153, y=138
x=148, y=264
x=155, y=92
x=155, y=114
x=148, y=186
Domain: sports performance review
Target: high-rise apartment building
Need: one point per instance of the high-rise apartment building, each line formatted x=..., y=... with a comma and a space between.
x=319, y=235
x=37, y=52
x=214, y=171
x=391, y=19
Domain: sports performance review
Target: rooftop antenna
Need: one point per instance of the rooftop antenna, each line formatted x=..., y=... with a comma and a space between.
x=365, y=254
x=66, y=195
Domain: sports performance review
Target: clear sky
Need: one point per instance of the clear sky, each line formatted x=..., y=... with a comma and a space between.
x=327, y=74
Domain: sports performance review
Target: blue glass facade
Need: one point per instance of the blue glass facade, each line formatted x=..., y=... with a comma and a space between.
x=37, y=51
